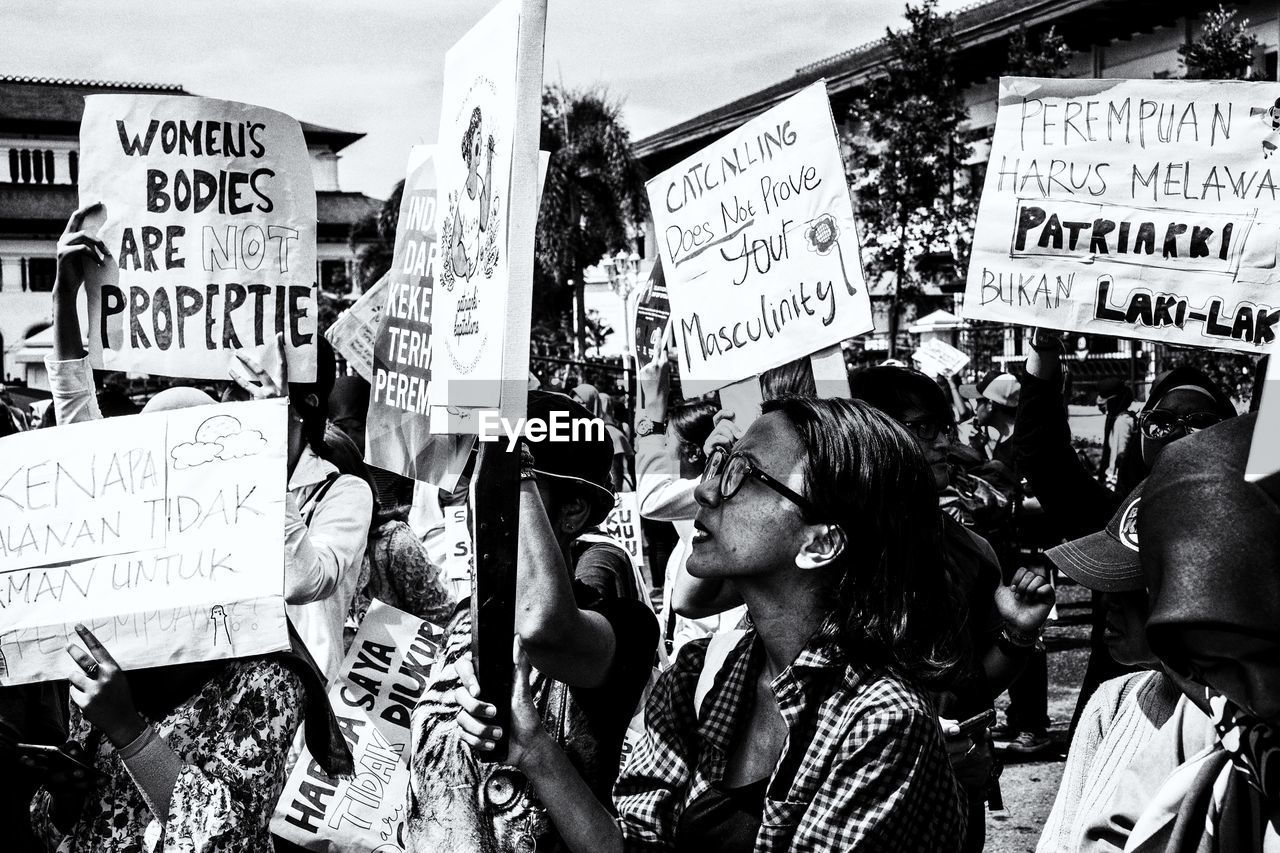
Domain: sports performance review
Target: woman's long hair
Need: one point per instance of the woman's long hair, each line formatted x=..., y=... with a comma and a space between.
x=866, y=473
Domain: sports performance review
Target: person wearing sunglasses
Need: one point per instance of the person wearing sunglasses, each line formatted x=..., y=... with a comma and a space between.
x=813, y=728
x=1075, y=503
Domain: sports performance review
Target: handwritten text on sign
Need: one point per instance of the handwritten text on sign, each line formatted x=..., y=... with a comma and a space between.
x=383, y=677
x=210, y=219
x=1140, y=208
x=758, y=245
x=164, y=533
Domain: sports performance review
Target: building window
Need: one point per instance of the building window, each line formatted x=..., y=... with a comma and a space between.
x=26, y=166
x=48, y=166
x=14, y=169
x=73, y=160
x=37, y=167
x=1269, y=63
x=40, y=274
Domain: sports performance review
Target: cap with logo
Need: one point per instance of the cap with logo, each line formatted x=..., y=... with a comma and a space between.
x=1106, y=561
x=997, y=386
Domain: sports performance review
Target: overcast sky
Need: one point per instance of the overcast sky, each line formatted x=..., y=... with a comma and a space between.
x=376, y=66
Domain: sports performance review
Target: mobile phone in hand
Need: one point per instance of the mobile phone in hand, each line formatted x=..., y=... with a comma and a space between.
x=55, y=765
x=977, y=722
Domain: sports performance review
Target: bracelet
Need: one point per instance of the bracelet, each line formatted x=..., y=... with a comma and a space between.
x=1018, y=639
x=528, y=474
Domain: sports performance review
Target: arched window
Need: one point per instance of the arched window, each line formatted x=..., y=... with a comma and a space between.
x=14, y=170
x=37, y=166
x=48, y=166
x=26, y=166
x=73, y=161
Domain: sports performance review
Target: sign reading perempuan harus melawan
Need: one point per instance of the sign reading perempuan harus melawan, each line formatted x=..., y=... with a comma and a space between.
x=1138, y=208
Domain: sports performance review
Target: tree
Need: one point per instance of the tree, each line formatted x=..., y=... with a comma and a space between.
x=1047, y=57
x=372, y=239
x=907, y=157
x=592, y=201
x=1224, y=50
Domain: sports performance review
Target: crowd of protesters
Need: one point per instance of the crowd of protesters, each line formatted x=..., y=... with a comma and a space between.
x=816, y=660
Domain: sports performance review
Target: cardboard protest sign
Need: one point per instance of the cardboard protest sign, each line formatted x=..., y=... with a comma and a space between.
x=939, y=358
x=399, y=424
x=210, y=218
x=487, y=165
x=653, y=318
x=759, y=246
x=355, y=331
x=623, y=524
x=1140, y=208
x=382, y=678
x=163, y=533
x=460, y=559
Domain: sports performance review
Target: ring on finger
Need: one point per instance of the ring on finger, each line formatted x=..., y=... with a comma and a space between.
x=92, y=670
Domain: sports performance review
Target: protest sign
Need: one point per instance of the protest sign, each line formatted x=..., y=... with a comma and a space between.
x=1139, y=208
x=487, y=164
x=382, y=678
x=461, y=555
x=653, y=318
x=939, y=358
x=759, y=246
x=399, y=425
x=163, y=533
x=355, y=331
x=210, y=218
x=623, y=524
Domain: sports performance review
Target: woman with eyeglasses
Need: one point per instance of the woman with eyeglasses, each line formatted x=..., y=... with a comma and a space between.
x=812, y=729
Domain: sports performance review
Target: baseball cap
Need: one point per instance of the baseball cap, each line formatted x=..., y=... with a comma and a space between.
x=997, y=386
x=1106, y=561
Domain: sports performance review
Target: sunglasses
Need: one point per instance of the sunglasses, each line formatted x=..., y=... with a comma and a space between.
x=733, y=469
x=929, y=430
x=1159, y=423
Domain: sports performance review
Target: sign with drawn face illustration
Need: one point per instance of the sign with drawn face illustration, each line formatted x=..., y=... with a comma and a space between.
x=1137, y=208
x=163, y=533
x=474, y=166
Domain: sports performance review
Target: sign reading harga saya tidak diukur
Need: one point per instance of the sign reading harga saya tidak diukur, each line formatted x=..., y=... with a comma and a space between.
x=1139, y=208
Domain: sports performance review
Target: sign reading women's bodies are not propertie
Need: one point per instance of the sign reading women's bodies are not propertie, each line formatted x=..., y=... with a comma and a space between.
x=163, y=533
x=759, y=247
x=1139, y=208
x=210, y=219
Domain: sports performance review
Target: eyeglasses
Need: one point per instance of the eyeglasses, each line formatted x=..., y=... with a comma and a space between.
x=1159, y=423
x=734, y=468
x=929, y=430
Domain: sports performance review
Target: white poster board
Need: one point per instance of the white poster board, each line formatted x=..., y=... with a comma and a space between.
x=382, y=678
x=759, y=246
x=1138, y=208
x=939, y=358
x=210, y=218
x=487, y=171
x=163, y=533
x=623, y=524
x=354, y=332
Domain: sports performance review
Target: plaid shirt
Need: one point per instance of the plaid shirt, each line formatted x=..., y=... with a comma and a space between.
x=864, y=767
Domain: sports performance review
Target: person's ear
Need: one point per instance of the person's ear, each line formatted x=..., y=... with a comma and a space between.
x=824, y=543
x=312, y=400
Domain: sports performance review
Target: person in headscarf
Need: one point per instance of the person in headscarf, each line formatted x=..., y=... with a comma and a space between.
x=1210, y=555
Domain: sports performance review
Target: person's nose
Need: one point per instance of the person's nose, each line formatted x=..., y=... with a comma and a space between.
x=707, y=493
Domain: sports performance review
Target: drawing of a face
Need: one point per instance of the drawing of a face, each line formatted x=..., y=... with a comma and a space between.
x=217, y=612
x=472, y=148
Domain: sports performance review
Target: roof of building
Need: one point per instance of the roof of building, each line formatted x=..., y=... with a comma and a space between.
x=1080, y=22
x=55, y=105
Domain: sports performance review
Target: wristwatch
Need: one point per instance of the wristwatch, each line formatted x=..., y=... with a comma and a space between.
x=646, y=425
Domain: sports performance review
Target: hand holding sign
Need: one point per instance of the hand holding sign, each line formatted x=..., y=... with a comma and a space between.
x=75, y=248
x=100, y=689
x=257, y=379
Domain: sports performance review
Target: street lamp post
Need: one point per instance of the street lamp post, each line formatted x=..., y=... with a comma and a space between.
x=624, y=278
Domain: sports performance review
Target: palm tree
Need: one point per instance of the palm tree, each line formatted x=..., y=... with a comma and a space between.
x=592, y=201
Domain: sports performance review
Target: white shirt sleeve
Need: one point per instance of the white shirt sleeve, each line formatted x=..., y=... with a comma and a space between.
x=75, y=398
x=663, y=494
x=317, y=556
